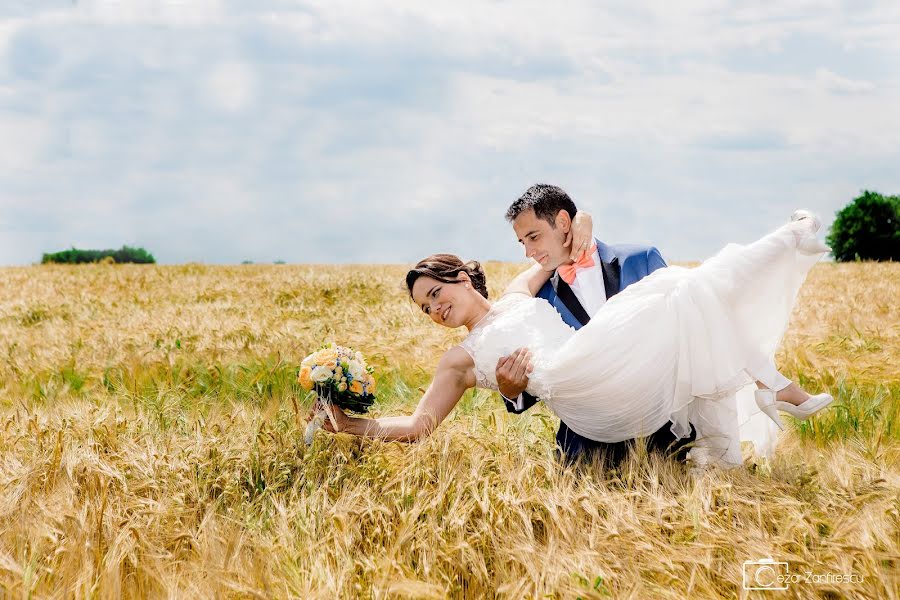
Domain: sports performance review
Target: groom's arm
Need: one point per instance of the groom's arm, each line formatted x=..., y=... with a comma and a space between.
x=520, y=403
x=654, y=260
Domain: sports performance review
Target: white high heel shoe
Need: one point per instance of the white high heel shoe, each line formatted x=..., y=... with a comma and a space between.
x=810, y=245
x=765, y=400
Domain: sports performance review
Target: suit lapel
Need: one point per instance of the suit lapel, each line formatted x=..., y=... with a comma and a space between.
x=611, y=276
x=612, y=270
x=553, y=298
x=568, y=298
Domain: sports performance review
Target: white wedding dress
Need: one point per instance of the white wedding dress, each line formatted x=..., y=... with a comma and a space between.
x=675, y=347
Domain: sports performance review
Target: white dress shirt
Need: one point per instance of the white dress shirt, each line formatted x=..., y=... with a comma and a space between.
x=589, y=287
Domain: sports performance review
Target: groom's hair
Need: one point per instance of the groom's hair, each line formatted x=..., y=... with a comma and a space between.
x=545, y=200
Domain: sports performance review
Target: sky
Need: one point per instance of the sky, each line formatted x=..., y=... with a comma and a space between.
x=219, y=131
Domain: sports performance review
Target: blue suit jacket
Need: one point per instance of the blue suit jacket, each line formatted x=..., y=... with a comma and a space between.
x=622, y=264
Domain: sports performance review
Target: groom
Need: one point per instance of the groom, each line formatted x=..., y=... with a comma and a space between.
x=542, y=218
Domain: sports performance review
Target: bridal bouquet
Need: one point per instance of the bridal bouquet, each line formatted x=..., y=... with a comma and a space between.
x=339, y=376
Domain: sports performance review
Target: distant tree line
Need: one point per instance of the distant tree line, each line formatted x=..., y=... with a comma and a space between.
x=867, y=229
x=125, y=254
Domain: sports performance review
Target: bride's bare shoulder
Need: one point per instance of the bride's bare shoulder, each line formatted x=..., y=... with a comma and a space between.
x=456, y=358
x=459, y=364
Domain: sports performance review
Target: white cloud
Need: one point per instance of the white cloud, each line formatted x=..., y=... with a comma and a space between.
x=21, y=143
x=212, y=131
x=146, y=12
x=7, y=28
x=833, y=82
x=231, y=86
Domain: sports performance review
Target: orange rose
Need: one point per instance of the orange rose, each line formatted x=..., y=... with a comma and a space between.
x=305, y=378
x=370, y=383
x=326, y=354
x=356, y=387
x=327, y=358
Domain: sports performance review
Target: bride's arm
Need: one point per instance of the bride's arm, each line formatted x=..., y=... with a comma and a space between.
x=528, y=282
x=578, y=239
x=453, y=377
x=581, y=234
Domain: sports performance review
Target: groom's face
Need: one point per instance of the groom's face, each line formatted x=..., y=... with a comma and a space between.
x=543, y=242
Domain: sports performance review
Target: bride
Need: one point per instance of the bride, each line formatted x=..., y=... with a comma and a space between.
x=674, y=347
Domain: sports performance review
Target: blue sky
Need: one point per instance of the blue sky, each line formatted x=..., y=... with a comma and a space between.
x=333, y=131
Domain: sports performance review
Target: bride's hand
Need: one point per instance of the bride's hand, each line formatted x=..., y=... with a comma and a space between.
x=340, y=417
x=580, y=236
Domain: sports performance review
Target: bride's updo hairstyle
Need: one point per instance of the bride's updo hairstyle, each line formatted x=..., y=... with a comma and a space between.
x=445, y=268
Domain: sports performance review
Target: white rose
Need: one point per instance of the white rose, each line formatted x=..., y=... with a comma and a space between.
x=357, y=371
x=320, y=374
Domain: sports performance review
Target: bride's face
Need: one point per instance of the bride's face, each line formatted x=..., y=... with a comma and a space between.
x=447, y=304
x=543, y=242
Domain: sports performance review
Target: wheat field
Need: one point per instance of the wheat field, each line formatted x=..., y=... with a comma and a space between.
x=151, y=445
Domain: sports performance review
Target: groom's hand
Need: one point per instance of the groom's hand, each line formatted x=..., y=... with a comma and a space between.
x=512, y=372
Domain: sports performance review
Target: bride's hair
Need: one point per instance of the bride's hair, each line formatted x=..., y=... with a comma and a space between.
x=445, y=268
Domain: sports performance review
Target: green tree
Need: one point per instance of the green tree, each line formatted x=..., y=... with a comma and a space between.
x=867, y=229
x=124, y=254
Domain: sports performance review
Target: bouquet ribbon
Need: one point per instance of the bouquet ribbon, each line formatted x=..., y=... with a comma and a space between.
x=323, y=406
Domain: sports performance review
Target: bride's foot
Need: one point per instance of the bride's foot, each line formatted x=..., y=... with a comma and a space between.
x=807, y=242
x=801, y=214
x=770, y=403
x=792, y=394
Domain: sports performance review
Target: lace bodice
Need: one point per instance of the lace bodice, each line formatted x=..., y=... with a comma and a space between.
x=516, y=321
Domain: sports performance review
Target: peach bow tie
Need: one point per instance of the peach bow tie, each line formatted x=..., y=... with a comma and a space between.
x=567, y=272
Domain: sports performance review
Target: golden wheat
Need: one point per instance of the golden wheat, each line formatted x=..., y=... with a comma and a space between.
x=151, y=446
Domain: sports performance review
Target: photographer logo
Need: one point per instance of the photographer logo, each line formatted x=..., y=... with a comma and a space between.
x=769, y=574
x=765, y=574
